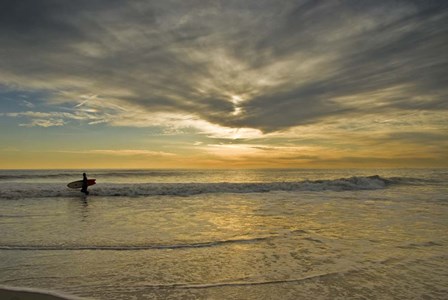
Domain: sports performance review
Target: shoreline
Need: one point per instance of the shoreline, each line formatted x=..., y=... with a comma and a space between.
x=25, y=293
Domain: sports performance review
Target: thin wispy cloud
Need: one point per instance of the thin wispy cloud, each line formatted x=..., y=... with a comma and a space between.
x=125, y=152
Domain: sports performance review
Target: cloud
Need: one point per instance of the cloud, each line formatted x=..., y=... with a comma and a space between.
x=49, y=119
x=125, y=152
x=28, y=104
x=263, y=154
x=131, y=152
x=43, y=123
x=263, y=66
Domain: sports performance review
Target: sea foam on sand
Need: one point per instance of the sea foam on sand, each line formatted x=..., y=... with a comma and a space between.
x=15, y=293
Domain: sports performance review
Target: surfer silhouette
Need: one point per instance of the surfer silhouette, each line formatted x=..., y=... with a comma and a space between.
x=84, y=184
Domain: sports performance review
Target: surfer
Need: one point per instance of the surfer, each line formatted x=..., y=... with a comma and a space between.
x=84, y=184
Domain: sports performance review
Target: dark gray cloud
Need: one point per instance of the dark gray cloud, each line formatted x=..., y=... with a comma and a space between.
x=290, y=61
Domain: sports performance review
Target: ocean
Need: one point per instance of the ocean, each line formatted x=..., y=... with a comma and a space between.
x=227, y=234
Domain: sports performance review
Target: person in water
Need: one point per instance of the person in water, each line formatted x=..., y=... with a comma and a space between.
x=84, y=184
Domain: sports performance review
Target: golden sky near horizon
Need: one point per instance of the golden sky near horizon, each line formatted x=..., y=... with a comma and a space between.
x=219, y=84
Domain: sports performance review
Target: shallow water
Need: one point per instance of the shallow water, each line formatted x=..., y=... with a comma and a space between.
x=286, y=234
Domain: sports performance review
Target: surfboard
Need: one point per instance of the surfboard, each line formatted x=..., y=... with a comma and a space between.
x=78, y=184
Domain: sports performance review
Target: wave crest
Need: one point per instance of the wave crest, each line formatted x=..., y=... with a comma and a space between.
x=131, y=247
x=34, y=190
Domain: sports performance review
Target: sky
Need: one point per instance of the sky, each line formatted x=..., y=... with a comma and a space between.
x=223, y=84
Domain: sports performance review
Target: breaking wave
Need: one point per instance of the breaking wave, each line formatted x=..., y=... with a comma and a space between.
x=35, y=190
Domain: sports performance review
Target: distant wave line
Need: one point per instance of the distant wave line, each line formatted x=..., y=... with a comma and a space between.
x=69, y=174
x=129, y=248
x=245, y=283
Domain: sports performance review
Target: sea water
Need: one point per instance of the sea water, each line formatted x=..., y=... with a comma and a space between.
x=227, y=234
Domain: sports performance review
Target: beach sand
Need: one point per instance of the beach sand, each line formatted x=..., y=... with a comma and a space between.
x=14, y=293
